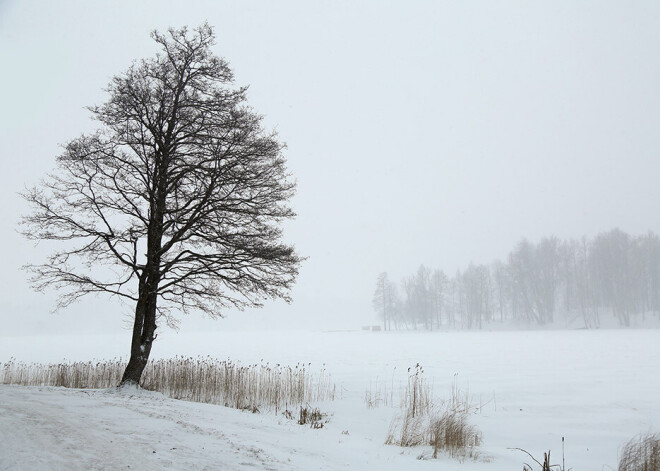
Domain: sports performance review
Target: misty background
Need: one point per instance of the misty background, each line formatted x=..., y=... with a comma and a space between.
x=428, y=133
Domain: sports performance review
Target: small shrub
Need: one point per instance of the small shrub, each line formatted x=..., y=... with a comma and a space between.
x=641, y=453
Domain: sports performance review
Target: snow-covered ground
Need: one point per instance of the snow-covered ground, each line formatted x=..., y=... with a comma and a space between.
x=528, y=390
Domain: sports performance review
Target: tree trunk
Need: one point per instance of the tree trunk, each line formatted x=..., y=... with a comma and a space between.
x=144, y=326
x=144, y=329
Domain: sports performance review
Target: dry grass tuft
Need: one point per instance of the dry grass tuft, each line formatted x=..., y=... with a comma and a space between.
x=451, y=433
x=641, y=453
x=447, y=431
x=251, y=387
x=313, y=417
x=408, y=430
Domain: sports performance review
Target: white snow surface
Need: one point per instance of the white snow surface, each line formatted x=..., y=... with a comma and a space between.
x=528, y=390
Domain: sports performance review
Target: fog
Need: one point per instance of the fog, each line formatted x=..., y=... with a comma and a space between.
x=436, y=133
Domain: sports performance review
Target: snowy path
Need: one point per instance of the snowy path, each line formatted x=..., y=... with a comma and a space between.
x=49, y=428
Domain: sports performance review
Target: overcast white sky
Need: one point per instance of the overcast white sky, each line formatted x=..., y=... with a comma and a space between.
x=427, y=132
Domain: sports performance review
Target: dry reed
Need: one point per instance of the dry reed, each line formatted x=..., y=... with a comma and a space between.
x=641, y=453
x=452, y=434
x=411, y=428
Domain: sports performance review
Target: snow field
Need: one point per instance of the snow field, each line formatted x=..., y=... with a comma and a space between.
x=527, y=390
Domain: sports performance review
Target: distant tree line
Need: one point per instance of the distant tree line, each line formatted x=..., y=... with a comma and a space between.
x=552, y=281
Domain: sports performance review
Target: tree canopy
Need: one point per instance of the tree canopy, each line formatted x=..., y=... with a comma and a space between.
x=176, y=202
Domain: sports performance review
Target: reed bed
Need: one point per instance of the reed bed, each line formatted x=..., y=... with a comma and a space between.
x=254, y=387
x=80, y=375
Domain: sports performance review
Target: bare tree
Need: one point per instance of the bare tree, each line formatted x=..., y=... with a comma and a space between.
x=534, y=271
x=610, y=260
x=502, y=287
x=174, y=203
x=650, y=247
x=418, y=301
x=438, y=292
x=386, y=300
